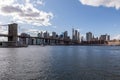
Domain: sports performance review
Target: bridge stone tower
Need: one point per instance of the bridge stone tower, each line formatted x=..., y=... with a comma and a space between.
x=12, y=32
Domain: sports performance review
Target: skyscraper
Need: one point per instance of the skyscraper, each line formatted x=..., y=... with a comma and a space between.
x=75, y=35
x=54, y=34
x=46, y=35
x=105, y=37
x=40, y=34
x=89, y=36
x=65, y=34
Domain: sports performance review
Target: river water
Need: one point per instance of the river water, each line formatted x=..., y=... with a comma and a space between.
x=60, y=63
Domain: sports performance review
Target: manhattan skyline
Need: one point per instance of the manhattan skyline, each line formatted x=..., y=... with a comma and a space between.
x=98, y=17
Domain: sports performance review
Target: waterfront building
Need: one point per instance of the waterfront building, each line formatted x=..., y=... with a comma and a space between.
x=114, y=42
x=61, y=36
x=78, y=37
x=105, y=37
x=95, y=38
x=82, y=39
x=75, y=35
x=46, y=34
x=65, y=35
x=89, y=36
x=108, y=37
x=53, y=34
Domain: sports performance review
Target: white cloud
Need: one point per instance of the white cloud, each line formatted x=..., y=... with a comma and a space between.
x=3, y=30
x=106, y=3
x=25, y=12
x=6, y=2
x=39, y=2
x=32, y=32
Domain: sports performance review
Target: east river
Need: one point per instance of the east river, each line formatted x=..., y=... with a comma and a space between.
x=60, y=63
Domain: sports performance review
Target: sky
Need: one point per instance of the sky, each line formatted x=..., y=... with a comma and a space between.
x=33, y=16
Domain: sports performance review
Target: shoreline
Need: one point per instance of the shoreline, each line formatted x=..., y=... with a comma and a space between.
x=54, y=45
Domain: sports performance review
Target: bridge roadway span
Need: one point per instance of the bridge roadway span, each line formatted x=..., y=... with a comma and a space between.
x=66, y=40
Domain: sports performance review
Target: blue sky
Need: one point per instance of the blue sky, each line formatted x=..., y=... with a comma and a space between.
x=96, y=16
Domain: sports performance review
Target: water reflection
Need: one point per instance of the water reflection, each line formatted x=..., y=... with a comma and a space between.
x=60, y=63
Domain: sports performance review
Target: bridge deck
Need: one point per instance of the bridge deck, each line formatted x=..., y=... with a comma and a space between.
x=68, y=40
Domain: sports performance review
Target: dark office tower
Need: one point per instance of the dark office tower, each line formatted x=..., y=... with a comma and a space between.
x=89, y=36
x=54, y=34
x=78, y=36
x=108, y=37
x=65, y=35
x=12, y=32
x=73, y=34
x=82, y=38
x=105, y=37
x=46, y=34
